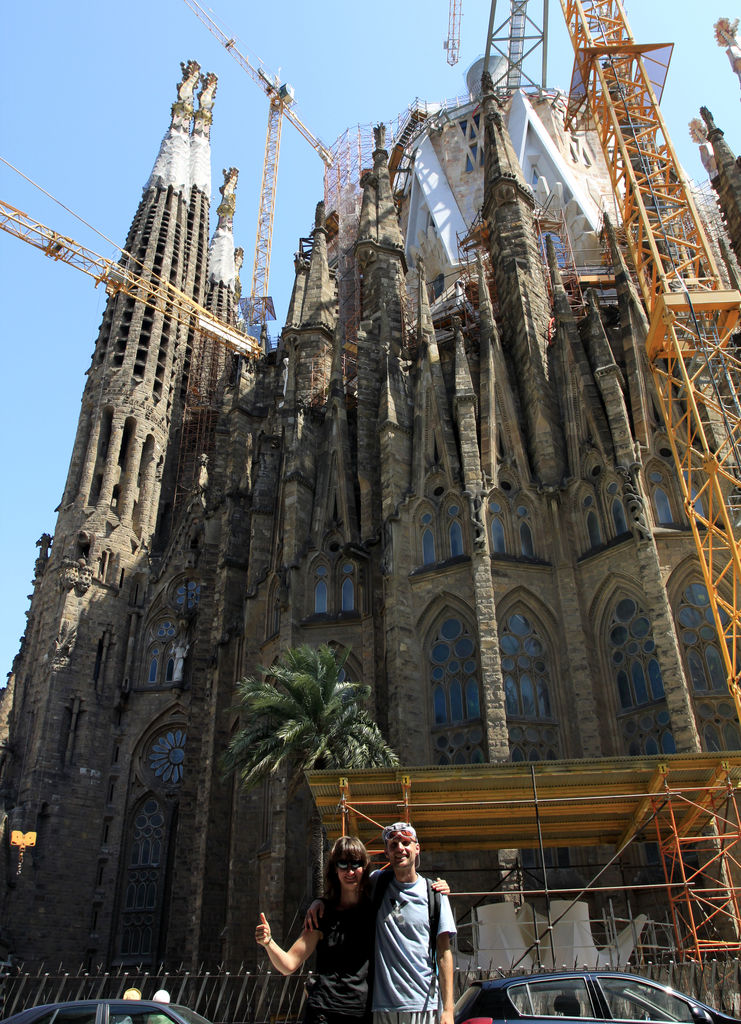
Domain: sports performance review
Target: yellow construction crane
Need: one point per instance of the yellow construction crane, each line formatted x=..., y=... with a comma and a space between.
x=120, y=277
x=453, y=43
x=281, y=97
x=692, y=317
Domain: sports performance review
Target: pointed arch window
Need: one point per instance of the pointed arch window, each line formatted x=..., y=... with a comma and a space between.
x=348, y=587
x=498, y=544
x=159, y=662
x=594, y=531
x=455, y=531
x=643, y=714
x=143, y=884
x=428, y=539
x=452, y=659
x=533, y=732
x=154, y=661
x=320, y=590
x=527, y=548
x=714, y=709
x=617, y=509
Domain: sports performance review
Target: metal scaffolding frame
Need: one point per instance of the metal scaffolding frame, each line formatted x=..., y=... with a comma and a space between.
x=687, y=801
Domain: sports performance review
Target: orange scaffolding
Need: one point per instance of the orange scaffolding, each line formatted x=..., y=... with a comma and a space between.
x=687, y=801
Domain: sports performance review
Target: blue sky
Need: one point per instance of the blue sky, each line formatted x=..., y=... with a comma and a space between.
x=85, y=102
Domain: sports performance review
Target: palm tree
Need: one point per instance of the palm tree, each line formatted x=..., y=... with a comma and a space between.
x=302, y=715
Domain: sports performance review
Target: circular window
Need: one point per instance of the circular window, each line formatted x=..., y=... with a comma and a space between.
x=626, y=609
x=451, y=628
x=167, y=756
x=440, y=652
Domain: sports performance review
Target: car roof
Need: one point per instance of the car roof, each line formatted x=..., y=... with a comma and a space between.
x=108, y=999
x=515, y=979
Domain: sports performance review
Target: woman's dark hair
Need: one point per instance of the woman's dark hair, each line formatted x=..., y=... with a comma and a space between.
x=346, y=848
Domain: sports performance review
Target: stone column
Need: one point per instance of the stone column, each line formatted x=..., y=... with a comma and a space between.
x=129, y=479
x=88, y=469
x=111, y=467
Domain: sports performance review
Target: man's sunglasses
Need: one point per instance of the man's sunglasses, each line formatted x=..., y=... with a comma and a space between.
x=346, y=865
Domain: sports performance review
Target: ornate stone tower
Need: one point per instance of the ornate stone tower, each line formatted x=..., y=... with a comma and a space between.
x=73, y=718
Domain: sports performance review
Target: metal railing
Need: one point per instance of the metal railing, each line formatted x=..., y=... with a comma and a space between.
x=244, y=997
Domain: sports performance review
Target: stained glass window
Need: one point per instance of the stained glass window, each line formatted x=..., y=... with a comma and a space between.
x=643, y=715
x=714, y=708
x=458, y=736
x=143, y=882
x=533, y=733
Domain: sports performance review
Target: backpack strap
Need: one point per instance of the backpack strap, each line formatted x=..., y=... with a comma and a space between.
x=380, y=884
x=434, y=909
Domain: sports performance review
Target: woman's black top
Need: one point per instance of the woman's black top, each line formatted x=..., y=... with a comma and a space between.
x=343, y=956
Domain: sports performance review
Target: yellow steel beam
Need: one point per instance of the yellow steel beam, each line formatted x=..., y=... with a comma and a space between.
x=153, y=292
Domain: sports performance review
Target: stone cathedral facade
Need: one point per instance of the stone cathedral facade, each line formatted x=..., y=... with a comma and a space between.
x=483, y=510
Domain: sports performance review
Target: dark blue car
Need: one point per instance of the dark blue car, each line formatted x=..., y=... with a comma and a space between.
x=107, y=1011
x=581, y=995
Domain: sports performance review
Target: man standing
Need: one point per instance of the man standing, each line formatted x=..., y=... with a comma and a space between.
x=411, y=937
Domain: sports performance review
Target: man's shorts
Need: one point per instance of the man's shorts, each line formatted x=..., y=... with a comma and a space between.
x=405, y=1017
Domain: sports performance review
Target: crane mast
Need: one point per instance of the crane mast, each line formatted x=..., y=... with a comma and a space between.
x=453, y=43
x=692, y=317
x=280, y=98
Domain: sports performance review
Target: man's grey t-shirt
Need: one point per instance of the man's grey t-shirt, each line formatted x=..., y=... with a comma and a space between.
x=404, y=978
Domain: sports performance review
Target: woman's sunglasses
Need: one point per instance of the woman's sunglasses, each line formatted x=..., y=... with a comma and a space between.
x=346, y=865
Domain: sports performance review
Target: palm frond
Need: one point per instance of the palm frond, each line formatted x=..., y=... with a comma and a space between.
x=300, y=714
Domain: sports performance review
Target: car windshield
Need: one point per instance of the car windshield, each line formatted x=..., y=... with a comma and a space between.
x=631, y=999
x=465, y=1003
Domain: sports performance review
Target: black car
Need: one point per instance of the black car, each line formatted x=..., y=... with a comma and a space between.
x=107, y=1011
x=581, y=995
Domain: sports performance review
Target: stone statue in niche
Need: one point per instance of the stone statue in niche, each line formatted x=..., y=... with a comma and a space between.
x=179, y=652
x=202, y=485
x=475, y=504
x=63, y=646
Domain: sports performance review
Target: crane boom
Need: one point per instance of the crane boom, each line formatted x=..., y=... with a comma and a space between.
x=118, y=277
x=267, y=81
x=692, y=317
x=280, y=98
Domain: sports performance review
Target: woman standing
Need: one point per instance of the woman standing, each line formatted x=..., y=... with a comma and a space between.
x=339, y=993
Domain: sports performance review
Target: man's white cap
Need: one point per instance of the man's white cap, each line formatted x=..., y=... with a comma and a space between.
x=162, y=996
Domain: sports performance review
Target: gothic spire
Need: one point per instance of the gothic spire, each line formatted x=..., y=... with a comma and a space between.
x=378, y=221
x=301, y=270
x=728, y=182
x=221, y=267
x=319, y=296
x=172, y=166
x=200, y=143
